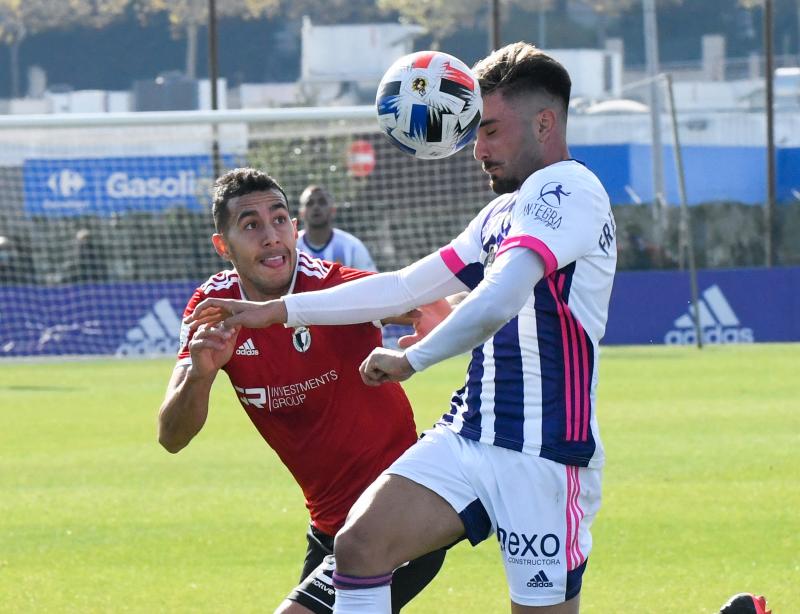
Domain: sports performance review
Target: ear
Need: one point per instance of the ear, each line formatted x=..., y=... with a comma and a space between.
x=219, y=245
x=294, y=224
x=545, y=122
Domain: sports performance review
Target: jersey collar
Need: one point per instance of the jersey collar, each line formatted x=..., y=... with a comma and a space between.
x=243, y=294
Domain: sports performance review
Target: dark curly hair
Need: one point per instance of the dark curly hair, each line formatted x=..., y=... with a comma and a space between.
x=238, y=182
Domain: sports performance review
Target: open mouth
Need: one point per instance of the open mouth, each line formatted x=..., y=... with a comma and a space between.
x=273, y=262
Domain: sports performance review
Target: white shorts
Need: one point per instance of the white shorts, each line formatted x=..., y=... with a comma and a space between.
x=540, y=510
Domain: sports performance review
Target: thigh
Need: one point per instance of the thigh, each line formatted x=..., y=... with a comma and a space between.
x=410, y=510
x=542, y=512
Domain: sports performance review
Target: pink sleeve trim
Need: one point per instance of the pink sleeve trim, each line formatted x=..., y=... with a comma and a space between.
x=451, y=259
x=535, y=245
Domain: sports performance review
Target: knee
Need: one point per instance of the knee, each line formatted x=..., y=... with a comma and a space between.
x=359, y=552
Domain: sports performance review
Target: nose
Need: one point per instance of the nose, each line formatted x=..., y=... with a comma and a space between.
x=271, y=235
x=479, y=150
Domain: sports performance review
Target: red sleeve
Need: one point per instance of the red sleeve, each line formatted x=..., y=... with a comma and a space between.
x=342, y=274
x=186, y=335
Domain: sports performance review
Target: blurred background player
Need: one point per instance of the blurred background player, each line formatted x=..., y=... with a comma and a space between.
x=300, y=387
x=319, y=238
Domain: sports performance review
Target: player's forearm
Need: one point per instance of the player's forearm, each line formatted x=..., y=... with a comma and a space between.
x=495, y=301
x=184, y=411
x=375, y=297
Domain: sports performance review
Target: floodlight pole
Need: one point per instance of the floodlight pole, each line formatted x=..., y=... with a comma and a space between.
x=213, y=74
x=494, y=25
x=769, y=208
x=651, y=59
x=686, y=241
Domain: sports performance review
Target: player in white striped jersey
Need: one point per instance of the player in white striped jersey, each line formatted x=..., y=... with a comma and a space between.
x=319, y=237
x=519, y=453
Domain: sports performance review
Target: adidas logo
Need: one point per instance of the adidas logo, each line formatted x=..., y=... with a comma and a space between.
x=155, y=334
x=718, y=322
x=540, y=580
x=247, y=348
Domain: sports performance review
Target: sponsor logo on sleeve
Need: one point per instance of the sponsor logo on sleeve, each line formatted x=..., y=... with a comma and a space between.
x=546, y=208
x=607, y=234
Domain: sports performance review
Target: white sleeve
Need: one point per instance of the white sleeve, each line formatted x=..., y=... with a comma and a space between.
x=375, y=297
x=559, y=214
x=497, y=299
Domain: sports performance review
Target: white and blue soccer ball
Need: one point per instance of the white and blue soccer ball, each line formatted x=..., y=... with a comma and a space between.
x=429, y=104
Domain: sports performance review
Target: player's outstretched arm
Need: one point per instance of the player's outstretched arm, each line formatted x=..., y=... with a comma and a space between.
x=185, y=408
x=234, y=313
x=497, y=299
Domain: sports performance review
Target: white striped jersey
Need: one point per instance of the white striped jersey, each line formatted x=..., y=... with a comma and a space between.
x=342, y=247
x=531, y=387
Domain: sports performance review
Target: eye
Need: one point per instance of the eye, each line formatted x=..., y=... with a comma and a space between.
x=250, y=225
x=280, y=219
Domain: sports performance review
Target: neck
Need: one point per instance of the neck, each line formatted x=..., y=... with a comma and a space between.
x=318, y=237
x=253, y=293
x=557, y=153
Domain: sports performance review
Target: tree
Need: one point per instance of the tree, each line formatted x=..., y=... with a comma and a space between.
x=21, y=18
x=189, y=15
x=333, y=12
x=439, y=17
x=443, y=17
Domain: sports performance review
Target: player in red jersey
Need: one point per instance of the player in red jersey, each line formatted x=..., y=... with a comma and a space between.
x=300, y=387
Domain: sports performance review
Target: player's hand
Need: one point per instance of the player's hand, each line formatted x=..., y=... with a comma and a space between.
x=384, y=365
x=233, y=313
x=406, y=319
x=430, y=316
x=211, y=348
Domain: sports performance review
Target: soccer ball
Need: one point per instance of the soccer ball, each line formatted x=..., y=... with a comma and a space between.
x=429, y=104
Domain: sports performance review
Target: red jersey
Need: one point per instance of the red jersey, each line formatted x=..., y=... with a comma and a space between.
x=302, y=391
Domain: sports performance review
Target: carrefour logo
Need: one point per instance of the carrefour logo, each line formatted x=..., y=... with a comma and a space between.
x=66, y=183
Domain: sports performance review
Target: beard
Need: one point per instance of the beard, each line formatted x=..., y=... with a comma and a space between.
x=504, y=185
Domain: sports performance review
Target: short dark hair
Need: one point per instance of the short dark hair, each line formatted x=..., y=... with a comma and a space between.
x=315, y=187
x=238, y=182
x=522, y=68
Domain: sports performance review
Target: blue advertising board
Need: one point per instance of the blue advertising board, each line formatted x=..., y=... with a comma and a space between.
x=104, y=186
x=143, y=319
x=122, y=319
x=735, y=306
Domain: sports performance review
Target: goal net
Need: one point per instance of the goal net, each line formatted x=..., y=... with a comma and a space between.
x=105, y=221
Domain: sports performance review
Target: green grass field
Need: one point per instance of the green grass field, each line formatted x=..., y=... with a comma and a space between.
x=701, y=492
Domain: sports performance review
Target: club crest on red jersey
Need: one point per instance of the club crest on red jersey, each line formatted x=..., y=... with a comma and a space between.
x=301, y=339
